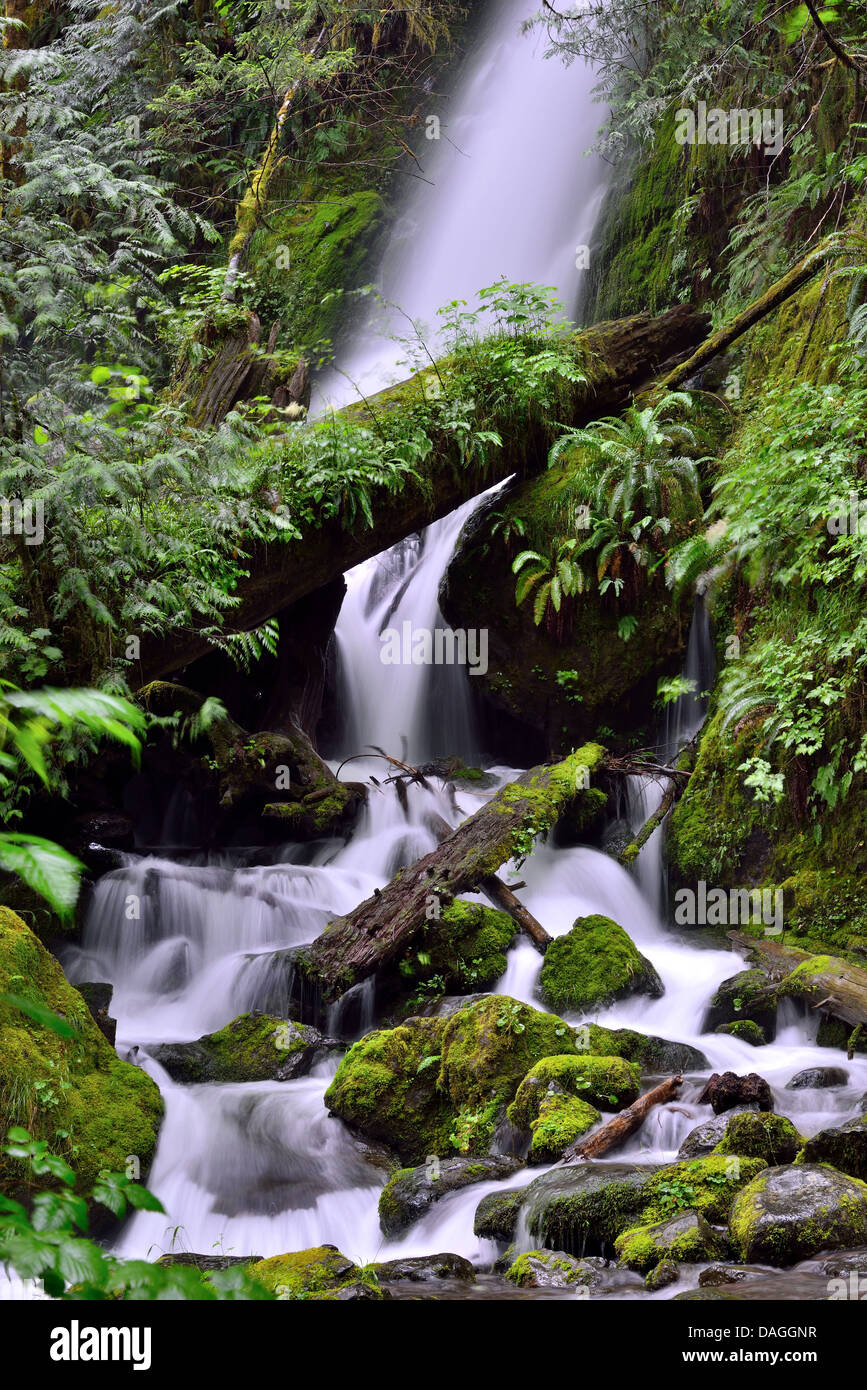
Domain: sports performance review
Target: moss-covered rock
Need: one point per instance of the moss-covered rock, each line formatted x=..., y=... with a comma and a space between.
x=741, y=998
x=790, y=1212
x=386, y=1089
x=497, y=1214
x=253, y=1047
x=665, y=1273
x=305, y=1273
x=744, y=1029
x=553, y=1269
x=611, y=1083
x=652, y=1055
x=686, y=1238
x=560, y=1120
x=707, y=1185
x=844, y=1148
x=464, y=948
x=595, y=963
x=489, y=1049
x=752, y=1134
x=420, y=1269
x=584, y=1206
x=74, y=1092
x=410, y=1192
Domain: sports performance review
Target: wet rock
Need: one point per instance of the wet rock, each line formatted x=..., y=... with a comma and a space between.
x=768, y=1136
x=555, y=1269
x=742, y=997
x=556, y=1100
x=497, y=1214
x=705, y=1137
x=421, y=1268
x=97, y=996
x=654, y=1055
x=844, y=1147
x=746, y=1030
x=726, y=1090
x=322, y=1269
x=253, y=1047
x=707, y=1296
x=585, y=1205
x=685, y=1238
x=207, y=1263
x=727, y=1274
x=847, y=1262
x=788, y=1213
x=663, y=1274
x=815, y=1078
x=594, y=963
x=412, y=1191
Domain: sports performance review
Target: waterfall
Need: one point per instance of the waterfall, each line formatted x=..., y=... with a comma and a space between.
x=505, y=191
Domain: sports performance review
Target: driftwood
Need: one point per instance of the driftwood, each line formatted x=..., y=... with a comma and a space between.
x=622, y=355
x=772, y=298
x=621, y=1126
x=677, y=776
x=836, y=987
x=353, y=947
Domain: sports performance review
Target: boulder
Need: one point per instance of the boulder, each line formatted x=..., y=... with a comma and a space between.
x=555, y=1269
x=422, y=1268
x=497, y=1214
x=559, y=1120
x=746, y=1030
x=89, y=1106
x=844, y=1147
x=742, y=997
x=253, y=1047
x=410, y=1192
x=790, y=1212
x=686, y=1238
x=595, y=963
x=611, y=1083
x=817, y=1078
x=584, y=1206
x=97, y=996
x=706, y=1185
x=665, y=1273
x=726, y=1090
x=656, y=1056
x=318, y=1272
x=705, y=1137
x=767, y=1136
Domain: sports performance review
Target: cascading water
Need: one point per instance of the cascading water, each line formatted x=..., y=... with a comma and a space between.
x=260, y=1168
x=504, y=192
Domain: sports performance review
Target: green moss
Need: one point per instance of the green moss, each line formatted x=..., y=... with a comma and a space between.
x=489, y=1048
x=467, y=946
x=770, y=1137
x=707, y=1185
x=305, y=1272
x=744, y=1029
x=609, y=1082
x=643, y=1247
x=75, y=1093
x=559, y=1122
x=593, y=963
x=567, y=1270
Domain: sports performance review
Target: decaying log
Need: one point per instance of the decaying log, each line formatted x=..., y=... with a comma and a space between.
x=501, y=895
x=616, y=356
x=831, y=984
x=621, y=1126
x=352, y=948
x=772, y=298
x=675, y=788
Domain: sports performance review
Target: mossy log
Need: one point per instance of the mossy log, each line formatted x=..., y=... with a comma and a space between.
x=502, y=897
x=772, y=298
x=823, y=982
x=354, y=947
x=627, y=1122
x=676, y=787
x=622, y=355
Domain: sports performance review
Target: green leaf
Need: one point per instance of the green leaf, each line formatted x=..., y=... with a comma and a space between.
x=40, y=1014
x=80, y=1261
x=44, y=867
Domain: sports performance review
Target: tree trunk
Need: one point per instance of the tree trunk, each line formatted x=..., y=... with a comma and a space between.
x=501, y=895
x=673, y=792
x=353, y=947
x=833, y=985
x=621, y=1126
x=625, y=353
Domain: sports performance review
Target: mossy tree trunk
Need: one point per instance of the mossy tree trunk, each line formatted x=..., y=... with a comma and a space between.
x=354, y=947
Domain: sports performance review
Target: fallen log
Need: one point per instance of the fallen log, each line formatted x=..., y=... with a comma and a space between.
x=353, y=947
x=498, y=893
x=621, y=1126
x=772, y=298
x=616, y=357
x=671, y=794
x=824, y=982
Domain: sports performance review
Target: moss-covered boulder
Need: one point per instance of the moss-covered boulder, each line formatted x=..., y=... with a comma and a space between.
x=594, y=963
x=554, y=1269
x=704, y=1138
x=741, y=998
x=611, y=1083
x=253, y=1047
x=744, y=1029
x=844, y=1148
x=707, y=1185
x=465, y=948
x=489, y=1049
x=74, y=1092
x=659, y=1056
x=790, y=1212
x=305, y=1273
x=386, y=1088
x=582, y=1207
x=421, y=1269
x=559, y=1122
x=755, y=1134
x=497, y=1214
x=818, y=1079
x=411, y=1192
x=686, y=1238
